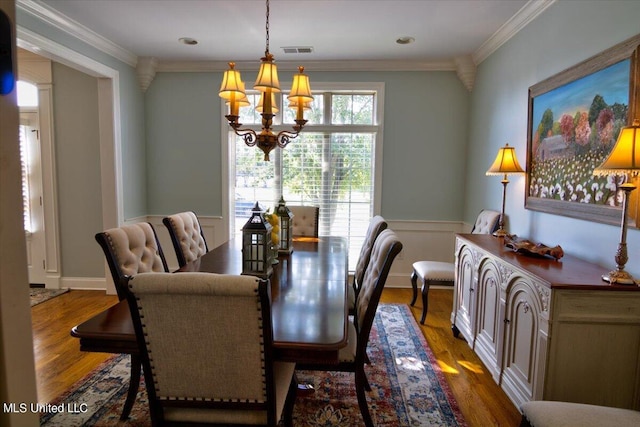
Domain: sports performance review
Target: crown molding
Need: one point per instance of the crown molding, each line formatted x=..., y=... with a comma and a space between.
x=510, y=28
x=208, y=66
x=77, y=30
x=520, y=20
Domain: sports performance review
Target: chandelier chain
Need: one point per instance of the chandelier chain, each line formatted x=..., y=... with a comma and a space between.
x=267, y=30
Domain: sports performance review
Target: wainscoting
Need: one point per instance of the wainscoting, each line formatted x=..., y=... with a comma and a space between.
x=422, y=240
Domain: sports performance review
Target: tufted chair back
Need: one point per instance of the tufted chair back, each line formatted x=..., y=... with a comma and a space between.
x=131, y=249
x=186, y=235
x=376, y=225
x=305, y=220
x=201, y=363
x=352, y=358
x=385, y=249
x=486, y=222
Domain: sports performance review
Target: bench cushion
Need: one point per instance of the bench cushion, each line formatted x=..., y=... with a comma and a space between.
x=435, y=270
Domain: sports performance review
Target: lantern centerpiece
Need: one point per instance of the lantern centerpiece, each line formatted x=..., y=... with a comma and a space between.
x=257, y=254
x=286, y=227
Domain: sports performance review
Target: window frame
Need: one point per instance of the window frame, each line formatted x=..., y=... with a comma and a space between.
x=228, y=167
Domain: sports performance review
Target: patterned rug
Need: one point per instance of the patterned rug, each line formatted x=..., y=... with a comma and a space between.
x=408, y=387
x=40, y=295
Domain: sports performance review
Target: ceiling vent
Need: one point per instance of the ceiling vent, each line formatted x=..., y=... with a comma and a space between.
x=297, y=49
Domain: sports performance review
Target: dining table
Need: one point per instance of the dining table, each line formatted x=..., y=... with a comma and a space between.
x=308, y=305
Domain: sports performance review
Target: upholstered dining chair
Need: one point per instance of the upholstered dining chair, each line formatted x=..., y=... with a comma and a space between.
x=376, y=225
x=206, y=346
x=353, y=357
x=546, y=413
x=443, y=273
x=305, y=220
x=186, y=235
x=131, y=249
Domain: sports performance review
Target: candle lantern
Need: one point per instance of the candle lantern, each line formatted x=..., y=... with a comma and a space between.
x=286, y=227
x=256, y=245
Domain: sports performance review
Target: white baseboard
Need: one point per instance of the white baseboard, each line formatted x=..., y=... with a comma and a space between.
x=84, y=283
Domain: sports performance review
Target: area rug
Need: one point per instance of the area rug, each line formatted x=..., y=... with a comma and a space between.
x=40, y=295
x=408, y=387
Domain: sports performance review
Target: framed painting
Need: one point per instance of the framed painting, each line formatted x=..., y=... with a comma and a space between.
x=574, y=121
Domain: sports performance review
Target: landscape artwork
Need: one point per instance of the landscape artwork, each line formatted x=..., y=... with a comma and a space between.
x=573, y=129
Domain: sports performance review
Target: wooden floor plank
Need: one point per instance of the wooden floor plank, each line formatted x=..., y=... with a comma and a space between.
x=60, y=363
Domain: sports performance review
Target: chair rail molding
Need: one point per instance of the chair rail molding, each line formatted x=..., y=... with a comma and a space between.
x=433, y=240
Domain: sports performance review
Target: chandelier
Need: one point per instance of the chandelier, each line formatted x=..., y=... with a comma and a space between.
x=232, y=90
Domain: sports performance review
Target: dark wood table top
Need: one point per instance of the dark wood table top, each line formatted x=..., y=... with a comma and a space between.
x=309, y=302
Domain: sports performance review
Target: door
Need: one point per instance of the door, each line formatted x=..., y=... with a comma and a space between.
x=32, y=196
x=463, y=319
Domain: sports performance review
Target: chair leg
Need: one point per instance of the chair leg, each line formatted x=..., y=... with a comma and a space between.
x=425, y=300
x=287, y=411
x=414, y=286
x=134, y=383
x=361, y=384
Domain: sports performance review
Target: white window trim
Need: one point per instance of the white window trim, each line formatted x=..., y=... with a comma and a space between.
x=228, y=169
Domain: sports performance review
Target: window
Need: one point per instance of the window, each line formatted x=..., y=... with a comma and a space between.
x=27, y=97
x=331, y=164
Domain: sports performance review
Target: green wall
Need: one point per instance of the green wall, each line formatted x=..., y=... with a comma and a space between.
x=77, y=152
x=567, y=33
x=425, y=131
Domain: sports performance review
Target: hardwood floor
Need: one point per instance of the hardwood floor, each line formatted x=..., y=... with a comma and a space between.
x=60, y=363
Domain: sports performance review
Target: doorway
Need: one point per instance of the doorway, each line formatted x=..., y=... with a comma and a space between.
x=32, y=201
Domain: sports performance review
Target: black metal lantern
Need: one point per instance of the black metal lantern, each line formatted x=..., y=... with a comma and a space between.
x=286, y=227
x=256, y=245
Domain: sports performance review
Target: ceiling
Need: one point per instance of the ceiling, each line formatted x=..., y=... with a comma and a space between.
x=337, y=30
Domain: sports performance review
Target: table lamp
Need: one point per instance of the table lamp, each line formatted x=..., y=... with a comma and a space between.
x=624, y=159
x=505, y=164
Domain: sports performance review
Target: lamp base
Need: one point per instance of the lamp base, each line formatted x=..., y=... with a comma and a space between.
x=501, y=232
x=619, y=277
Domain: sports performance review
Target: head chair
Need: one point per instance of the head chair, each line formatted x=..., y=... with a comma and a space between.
x=305, y=220
x=206, y=346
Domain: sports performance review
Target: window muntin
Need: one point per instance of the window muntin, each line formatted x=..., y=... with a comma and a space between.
x=331, y=164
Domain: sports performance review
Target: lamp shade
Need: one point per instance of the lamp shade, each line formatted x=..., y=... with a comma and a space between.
x=625, y=155
x=274, y=106
x=267, y=76
x=242, y=102
x=232, y=87
x=300, y=89
x=306, y=105
x=505, y=162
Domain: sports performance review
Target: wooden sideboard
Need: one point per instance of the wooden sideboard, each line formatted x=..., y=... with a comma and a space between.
x=547, y=329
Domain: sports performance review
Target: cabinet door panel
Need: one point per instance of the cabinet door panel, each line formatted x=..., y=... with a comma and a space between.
x=465, y=288
x=489, y=324
x=521, y=342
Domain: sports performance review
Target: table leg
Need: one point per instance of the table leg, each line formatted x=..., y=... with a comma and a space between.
x=134, y=384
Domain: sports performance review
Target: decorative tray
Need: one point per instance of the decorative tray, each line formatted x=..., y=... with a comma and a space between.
x=529, y=248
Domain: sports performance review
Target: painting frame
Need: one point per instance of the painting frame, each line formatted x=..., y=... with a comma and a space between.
x=629, y=50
